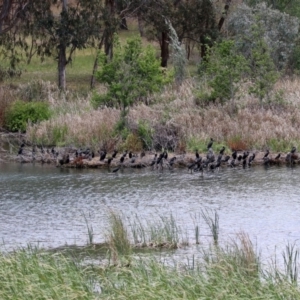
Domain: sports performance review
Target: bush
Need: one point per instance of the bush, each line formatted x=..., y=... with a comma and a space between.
x=145, y=132
x=224, y=68
x=130, y=76
x=20, y=113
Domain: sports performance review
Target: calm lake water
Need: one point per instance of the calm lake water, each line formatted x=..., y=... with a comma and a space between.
x=47, y=206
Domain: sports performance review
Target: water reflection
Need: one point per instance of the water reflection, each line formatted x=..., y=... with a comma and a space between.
x=46, y=205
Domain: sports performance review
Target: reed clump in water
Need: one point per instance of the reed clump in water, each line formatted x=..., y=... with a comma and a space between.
x=118, y=237
x=160, y=232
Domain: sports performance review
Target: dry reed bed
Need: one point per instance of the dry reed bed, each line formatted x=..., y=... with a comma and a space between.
x=243, y=121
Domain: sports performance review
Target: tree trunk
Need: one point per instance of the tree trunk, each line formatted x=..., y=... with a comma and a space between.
x=140, y=25
x=62, y=62
x=108, y=38
x=95, y=67
x=164, y=49
x=62, y=55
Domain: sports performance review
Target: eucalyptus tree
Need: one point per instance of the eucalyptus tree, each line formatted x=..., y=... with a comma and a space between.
x=193, y=20
x=11, y=11
x=60, y=28
x=55, y=28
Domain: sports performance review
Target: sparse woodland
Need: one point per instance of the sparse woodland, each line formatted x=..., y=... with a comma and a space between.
x=151, y=75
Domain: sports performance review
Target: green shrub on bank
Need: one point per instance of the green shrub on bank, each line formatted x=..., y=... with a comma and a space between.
x=132, y=74
x=224, y=69
x=20, y=113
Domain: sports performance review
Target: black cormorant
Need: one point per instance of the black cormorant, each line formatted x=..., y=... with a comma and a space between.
x=210, y=143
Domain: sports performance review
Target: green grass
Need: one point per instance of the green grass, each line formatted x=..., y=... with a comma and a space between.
x=78, y=73
x=231, y=271
x=31, y=274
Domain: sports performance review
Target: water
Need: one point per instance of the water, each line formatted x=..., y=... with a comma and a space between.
x=47, y=206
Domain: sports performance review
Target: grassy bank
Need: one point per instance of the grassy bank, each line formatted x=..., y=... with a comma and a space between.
x=175, y=119
x=231, y=271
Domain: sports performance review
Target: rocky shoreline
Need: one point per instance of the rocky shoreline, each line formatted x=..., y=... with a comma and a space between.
x=69, y=157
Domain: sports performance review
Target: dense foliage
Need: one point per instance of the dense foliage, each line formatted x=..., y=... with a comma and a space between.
x=131, y=75
x=20, y=113
x=279, y=30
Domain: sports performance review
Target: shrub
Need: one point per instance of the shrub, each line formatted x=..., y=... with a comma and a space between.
x=130, y=76
x=263, y=72
x=20, y=113
x=145, y=132
x=224, y=68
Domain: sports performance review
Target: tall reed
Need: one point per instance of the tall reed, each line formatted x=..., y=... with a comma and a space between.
x=118, y=237
x=291, y=262
x=212, y=220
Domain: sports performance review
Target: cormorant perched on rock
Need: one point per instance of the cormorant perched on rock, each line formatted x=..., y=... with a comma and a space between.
x=219, y=159
x=114, y=154
x=122, y=158
x=226, y=159
x=240, y=157
x=130, y=154
x=109, y=160
x=234, y=154
x=143, y=154
x=267, y=153
x=210, y=143
x=222, y=150
x=102, y=155
x=159, y=159
x=165, y=155
x=172, y=161
x=293, y=150
x=251, y=159
x=197, y=154
x=212, y=167
x=232, y=163
x=245, y=154
x=20, y=151
x=277, y=156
